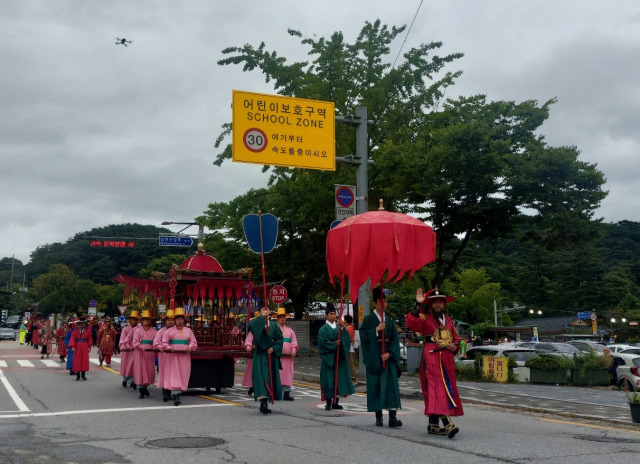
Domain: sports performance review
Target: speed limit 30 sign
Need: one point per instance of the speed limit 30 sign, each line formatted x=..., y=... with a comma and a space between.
x=255, y=140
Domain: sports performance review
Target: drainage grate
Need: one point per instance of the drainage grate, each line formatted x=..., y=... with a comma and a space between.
x=606, y=439
x=187, y=442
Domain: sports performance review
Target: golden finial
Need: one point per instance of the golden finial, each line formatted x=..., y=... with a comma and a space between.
x=381, y=207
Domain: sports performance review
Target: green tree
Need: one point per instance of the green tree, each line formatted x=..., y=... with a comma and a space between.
x=350, y=75
x=57, y=290
x=475, y=294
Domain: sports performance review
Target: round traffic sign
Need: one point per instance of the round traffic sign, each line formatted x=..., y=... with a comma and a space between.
x=278, y=294
x=122, y=318
x=255, y=140
x=344, y=196
x=93, y=303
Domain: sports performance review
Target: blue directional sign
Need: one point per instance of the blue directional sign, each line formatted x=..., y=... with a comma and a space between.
x=584, y=315
x=122, y=318
x=175, y=240
x=261, y=232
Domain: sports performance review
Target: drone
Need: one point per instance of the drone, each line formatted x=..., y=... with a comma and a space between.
x=122, y=41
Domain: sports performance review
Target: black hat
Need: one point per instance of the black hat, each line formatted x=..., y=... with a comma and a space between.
x=330, y=308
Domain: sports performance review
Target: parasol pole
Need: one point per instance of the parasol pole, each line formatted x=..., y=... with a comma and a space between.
x=264, y=287
x=384, y=363
x=335, y=383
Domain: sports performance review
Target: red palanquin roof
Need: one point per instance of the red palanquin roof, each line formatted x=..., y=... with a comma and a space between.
x=201, y=262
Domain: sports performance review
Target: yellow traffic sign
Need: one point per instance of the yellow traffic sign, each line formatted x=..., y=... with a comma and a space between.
x=283, y=131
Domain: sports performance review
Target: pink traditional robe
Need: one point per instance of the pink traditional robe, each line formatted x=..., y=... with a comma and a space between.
x=144, y=364
x=126, y=358
x=178, y=365
x=81, y=340
x=289, y=345
x=437, y=368
x=247, y=380
x=157, y=345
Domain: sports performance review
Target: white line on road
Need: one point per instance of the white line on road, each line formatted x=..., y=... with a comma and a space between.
x=25, y=363
x=100, y=411
x=51, y=363
x=14, y=396
x=3, y=363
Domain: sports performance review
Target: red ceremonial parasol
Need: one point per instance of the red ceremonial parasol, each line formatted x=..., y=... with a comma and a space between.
x=371, y=244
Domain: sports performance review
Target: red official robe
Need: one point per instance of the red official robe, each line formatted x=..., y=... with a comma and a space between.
x=437, y=369
x=81, y=340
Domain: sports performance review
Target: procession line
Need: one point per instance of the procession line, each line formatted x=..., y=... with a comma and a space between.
x=100, y=411
x=12, y=393
x=558, y=421
x=213, y=398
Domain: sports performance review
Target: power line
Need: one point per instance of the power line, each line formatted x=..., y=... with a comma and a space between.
x=405, y=37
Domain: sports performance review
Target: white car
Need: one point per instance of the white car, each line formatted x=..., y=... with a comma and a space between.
x=518, y=354
x=628, y=370
x=618, y=347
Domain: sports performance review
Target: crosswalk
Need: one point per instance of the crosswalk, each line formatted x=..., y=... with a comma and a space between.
x=46, y=363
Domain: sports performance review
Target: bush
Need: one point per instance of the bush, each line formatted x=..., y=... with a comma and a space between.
x=590, y=360
x=547, y=362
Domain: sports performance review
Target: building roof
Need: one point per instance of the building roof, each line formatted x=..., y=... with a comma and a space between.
x=547, y=325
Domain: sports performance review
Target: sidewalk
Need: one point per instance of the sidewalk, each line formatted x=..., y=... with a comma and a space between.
x=598, y=403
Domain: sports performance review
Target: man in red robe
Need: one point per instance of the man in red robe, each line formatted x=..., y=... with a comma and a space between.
x=80, y=343
x=60, y=334
x=106, y=338
x=437, y=365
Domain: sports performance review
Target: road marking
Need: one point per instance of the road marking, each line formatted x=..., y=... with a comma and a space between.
x=50, y=363
x=558, y=421
x=101, y=411
x=25, y=363
x=12, y=393
x=3, y=363
x=213, y=398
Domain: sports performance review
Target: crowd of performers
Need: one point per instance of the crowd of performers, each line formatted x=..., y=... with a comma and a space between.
x=273, y=347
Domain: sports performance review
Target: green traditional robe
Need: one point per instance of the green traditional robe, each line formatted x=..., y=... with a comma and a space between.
x=260, y=365
x=382, y=384
x=327, y=348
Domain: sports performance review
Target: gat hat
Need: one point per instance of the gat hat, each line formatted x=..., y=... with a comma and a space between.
x=435, y=295
x=179, y=312
x=330, y=308
x=134, y=314
x=170, y=314
x=146, y=314
x=81, y=319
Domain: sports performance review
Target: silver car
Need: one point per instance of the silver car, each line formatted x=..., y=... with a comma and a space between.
x=7, y=333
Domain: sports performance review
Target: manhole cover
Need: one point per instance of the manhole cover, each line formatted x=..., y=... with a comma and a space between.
x=606, y=439
x=187, y=442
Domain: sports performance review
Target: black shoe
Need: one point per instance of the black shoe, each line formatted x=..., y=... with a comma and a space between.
x=78, y=376
x=327, y=406
x=451, y=430
x=393, y=422
x=83, y=376
x=336, y=406
x=134, y=386
x=141, y=394
x=264, y=408
x=146, y=391
x=379, y=422
x=176, y=400
x=72, y=373
x=124, y=384
x=287, y=397
x=250, y=392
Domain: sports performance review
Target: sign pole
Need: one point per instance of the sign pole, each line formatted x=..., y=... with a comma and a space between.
x=264, y=287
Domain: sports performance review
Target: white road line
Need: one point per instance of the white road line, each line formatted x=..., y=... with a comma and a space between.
x=94, y=361
x=50, y=363
x=14, y=396
x=101, y=411
x=25, y=363
x=3, y=363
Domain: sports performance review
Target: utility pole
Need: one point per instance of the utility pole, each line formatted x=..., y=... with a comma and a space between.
x=361, y=161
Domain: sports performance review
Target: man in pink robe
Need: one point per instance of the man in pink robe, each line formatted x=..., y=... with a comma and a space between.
x=80, y=343
x=178, y=342
x=126, y=350
x=144, y=365
x=169, y=321
x=289, y=351
x=437, y=366
x=247, y=379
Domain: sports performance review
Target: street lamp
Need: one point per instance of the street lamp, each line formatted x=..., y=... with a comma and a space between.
x=539, y=312
x=188, y=224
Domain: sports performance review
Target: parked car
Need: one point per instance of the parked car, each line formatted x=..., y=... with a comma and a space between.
x=628, y=370
x=7, y=333
x=618, y=347
x=586, y=346
x=12, y=322
x=553, y=347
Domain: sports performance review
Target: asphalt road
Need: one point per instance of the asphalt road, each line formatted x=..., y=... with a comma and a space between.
x=48, y=417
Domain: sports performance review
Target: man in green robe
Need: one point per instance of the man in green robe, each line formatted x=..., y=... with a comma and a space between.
x=329, y=348
x=265, y=371
x=383, y=368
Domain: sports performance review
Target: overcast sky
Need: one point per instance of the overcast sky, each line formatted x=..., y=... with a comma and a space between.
x=93, y=133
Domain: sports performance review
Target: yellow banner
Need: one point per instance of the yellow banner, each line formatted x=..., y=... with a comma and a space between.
x=495, y=368
x=283, y=131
